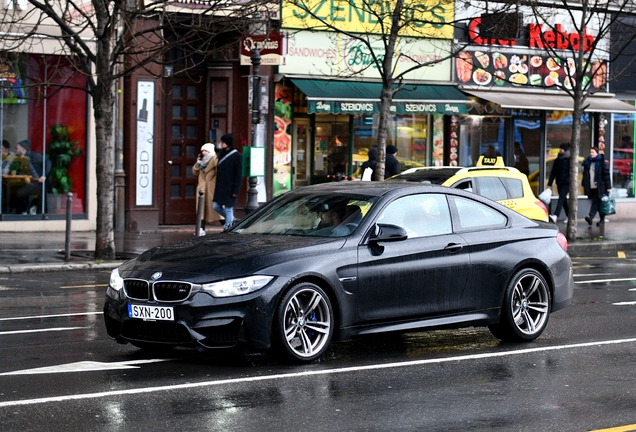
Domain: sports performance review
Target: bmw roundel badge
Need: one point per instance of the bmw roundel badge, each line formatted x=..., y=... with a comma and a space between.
x=156, y=276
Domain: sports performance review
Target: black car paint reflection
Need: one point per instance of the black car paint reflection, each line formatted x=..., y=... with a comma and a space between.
x=420, y=257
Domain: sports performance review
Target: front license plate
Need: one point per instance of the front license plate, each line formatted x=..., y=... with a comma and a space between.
x=151, y=313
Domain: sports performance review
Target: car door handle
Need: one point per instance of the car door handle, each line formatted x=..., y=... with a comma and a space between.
x=453, y=247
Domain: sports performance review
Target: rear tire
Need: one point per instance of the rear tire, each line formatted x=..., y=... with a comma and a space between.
x=304, y=323
x=526, y=309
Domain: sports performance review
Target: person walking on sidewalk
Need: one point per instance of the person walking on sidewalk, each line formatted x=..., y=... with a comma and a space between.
x=229, y=179
x=392, y=165
x=205, y=171
x=371, y=162
x=561, y=173
x=596, y=182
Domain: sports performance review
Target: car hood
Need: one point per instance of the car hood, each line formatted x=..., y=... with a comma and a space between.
x=224, y=255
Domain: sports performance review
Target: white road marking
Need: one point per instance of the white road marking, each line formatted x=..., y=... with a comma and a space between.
x=606, y=280
x=42, y=330
x=304, y=374
x=51, y=316
x=84, y=366
x=625, y=303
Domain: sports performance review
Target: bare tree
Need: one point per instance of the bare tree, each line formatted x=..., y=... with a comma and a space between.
x=109, y=39
x=387, y=23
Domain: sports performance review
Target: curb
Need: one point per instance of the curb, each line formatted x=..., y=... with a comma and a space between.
x=588, y=248
x=50, y=267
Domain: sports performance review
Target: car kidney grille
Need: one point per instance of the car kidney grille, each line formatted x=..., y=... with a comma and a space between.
x=137, y=289
x=171, y=291
x=155, y=332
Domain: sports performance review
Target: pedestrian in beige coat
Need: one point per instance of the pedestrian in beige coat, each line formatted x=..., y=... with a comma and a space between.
x=205, y=171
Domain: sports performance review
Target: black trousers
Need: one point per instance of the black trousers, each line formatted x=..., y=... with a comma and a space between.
x=596, y=204
x=562, y=202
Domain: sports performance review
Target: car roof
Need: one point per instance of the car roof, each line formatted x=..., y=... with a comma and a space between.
x=434, y=175
x=502, y=171
x=364, y=187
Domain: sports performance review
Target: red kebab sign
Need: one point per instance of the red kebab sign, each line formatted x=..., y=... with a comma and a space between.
x=539, y=37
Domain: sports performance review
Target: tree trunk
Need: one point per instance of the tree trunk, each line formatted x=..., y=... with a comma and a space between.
x=103, y=94
x=386, y=97
x=104, y=144
x=575, y=147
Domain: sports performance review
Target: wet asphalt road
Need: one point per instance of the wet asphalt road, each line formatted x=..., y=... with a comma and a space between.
x=58, y=370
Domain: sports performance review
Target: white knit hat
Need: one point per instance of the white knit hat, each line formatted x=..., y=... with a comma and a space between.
x=208, y=146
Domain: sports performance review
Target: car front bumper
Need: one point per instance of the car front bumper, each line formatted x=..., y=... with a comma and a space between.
x=201, y=321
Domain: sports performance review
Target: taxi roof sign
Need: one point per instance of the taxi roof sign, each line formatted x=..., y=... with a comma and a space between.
x=490, y=161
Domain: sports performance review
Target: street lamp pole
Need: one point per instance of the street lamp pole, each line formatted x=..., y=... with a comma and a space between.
x=252, y=192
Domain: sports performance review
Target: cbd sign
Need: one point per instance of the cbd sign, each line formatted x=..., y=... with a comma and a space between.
x=559, y=39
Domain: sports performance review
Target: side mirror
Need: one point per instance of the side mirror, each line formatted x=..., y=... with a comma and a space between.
x=388, y=233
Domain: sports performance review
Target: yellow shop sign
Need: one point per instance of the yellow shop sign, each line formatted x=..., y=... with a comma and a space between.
x=422, y=18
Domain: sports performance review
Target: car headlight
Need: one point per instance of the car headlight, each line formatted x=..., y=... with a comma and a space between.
x=236, y=287
x=115, y=286
x=116, y=281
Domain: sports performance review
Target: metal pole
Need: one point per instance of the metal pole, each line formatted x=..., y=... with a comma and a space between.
x=252, y=192
x=69, y=216
x=199, y=213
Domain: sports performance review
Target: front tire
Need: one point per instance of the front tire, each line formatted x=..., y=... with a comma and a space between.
x=304, y=323
x=526, y=308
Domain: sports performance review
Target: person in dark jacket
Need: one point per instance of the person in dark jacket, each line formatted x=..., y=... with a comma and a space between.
x=229, y=179
x=561, y=173
x=371, y=162
x=392, y=165
x=596, y=182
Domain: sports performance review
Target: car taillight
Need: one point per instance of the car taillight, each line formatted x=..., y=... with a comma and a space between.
x=562, y=241
x=543, y=207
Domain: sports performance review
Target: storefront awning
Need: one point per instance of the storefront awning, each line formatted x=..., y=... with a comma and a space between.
x=353, y=97
x=550, y=102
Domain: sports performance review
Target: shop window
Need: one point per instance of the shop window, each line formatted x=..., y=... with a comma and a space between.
x=331, y=156
x=43, y=129
x=407, y=133
x=623, y=156
x=476, y=134
x=559, y=130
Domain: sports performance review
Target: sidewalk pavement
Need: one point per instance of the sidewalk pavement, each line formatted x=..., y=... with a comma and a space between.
x=45, y=251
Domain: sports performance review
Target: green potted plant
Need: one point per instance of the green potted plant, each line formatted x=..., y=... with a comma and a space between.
x=61, y=152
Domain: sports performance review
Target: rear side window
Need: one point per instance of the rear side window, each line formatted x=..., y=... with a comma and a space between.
x=475, y=215
x=514, y=186
x=492, y=187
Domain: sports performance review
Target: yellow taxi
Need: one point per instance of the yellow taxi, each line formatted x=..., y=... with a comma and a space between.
x=506, y=185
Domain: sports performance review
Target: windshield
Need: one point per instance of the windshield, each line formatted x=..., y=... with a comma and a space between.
x=325, y=215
